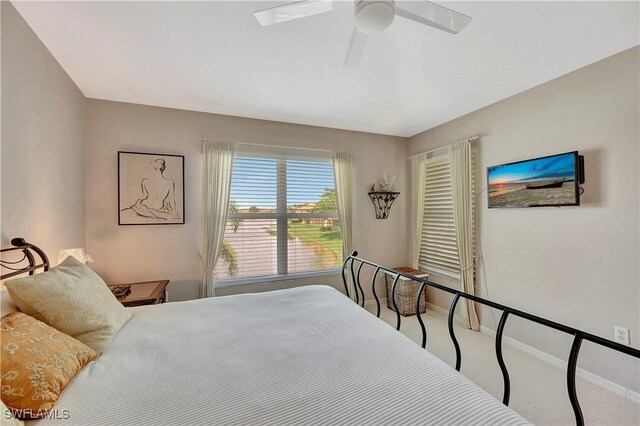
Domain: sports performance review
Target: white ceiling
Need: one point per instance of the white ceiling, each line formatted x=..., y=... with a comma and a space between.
x=214, y=57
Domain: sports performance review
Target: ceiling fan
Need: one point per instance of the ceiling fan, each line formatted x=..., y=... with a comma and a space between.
x=370, y=16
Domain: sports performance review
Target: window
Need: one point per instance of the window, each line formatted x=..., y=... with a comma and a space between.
x=282, y=218
x=438, y=247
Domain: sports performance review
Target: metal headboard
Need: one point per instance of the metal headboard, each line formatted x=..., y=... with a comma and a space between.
x=28, y=260
x=579, y=335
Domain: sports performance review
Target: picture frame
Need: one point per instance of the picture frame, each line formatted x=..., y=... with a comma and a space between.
x=150, y=189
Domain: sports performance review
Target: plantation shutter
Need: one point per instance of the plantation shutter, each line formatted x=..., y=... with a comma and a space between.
x=438, y=247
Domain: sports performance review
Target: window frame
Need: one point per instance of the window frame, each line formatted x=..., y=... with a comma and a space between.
x=282, y=217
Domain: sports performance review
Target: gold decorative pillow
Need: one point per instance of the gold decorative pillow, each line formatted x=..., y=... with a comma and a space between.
x=73, y=299
x=37, y=364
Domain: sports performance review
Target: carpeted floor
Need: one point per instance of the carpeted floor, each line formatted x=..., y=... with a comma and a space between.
x=538, y=389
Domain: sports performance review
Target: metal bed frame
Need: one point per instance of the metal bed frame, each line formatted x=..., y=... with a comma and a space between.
x=28, y=250
x=352, y=261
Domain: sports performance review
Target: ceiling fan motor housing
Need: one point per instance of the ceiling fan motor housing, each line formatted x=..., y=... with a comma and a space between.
x=373, y=16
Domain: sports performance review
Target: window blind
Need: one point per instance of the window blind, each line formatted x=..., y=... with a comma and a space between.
x=438, y=247
x=282, y=218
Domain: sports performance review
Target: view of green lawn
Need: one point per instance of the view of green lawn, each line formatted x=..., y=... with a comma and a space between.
x=314, y=245
x=314, y=234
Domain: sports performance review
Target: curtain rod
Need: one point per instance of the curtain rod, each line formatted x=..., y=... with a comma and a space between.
x=277, y=146
x=471, y=139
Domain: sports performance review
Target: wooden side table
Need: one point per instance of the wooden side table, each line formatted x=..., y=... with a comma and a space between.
x=144, y=293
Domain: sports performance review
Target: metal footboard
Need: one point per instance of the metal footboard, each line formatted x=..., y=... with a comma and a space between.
x=349, y=271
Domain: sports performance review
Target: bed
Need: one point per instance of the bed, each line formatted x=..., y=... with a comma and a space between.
x=301, y=356
x=306, y=355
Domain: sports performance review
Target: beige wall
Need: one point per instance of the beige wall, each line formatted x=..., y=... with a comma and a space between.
x=43, y=120
x=575, y=265
x=124, y=253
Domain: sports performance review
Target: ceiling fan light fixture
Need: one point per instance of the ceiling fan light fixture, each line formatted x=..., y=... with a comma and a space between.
x=370, y=16
x=373, y=16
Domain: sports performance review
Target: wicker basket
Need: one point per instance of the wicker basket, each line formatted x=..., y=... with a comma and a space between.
x=406, y=291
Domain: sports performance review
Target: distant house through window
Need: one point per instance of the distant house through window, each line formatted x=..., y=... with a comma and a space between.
x=282, y=219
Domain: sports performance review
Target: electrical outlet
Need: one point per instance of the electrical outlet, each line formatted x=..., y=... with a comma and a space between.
x=621, y=335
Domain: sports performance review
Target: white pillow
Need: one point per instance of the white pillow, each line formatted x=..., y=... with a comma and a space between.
x=7, y=418
x=6, y=303
x=73, y=299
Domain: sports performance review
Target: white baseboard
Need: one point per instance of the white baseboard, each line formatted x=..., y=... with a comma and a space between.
x=590, y=377
x=444, y=312
x=633, y=396
x=372, y=302
x=435, y=308
x=557, y=362
x=430, y=306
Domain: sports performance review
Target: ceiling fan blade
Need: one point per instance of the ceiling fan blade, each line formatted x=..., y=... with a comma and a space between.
x=356, y=49
x=300, y=9
x=432, y=14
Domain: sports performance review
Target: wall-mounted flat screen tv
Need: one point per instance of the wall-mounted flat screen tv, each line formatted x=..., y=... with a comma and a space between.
x=539, y=182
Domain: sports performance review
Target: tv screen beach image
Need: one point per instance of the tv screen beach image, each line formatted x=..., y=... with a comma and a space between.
x=548, y=181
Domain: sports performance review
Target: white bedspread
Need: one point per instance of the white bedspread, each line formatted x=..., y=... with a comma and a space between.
x=301, y=356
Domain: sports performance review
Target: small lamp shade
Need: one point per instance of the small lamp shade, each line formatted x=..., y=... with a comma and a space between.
x=78, y=253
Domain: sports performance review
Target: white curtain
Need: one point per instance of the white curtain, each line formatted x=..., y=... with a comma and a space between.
x=216, y=186
x=343, y=175
x=460, y=158
x=418, y=171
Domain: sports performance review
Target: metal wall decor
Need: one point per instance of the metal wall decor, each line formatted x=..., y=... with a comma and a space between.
x=353, y=266
x=382, y=202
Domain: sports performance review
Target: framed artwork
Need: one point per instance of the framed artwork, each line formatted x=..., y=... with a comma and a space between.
x=150, y=189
